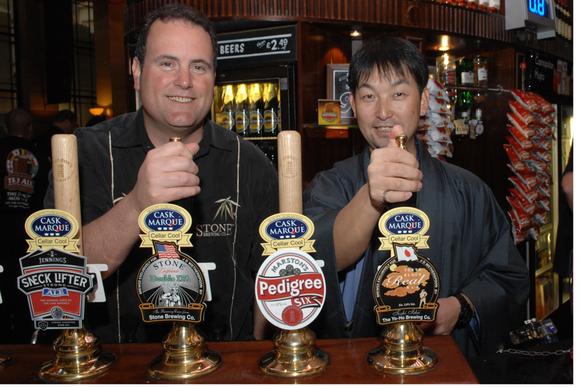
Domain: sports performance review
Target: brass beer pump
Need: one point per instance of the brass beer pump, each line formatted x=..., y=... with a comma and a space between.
x=295, y=353
x=78, y=352
x=185, y=354
x=402, y=351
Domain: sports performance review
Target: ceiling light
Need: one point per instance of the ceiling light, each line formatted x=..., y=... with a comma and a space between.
x=444, y=43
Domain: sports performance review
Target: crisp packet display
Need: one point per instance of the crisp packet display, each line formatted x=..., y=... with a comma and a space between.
x=531, y=123
x=436, y=126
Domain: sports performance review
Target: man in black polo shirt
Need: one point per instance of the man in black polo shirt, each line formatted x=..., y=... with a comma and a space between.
x=23, y=178
x=127, y=164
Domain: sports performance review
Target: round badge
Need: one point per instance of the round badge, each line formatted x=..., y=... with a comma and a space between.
x=165, y=222
x=171, y=286
x=287, y=230
x=290, y=289
x=404, y=225
x=52, y=228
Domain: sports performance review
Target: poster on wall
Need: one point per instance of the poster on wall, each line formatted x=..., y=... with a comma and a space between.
x=337, y=89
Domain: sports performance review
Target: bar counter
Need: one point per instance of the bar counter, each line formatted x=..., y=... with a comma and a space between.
x=240, y=363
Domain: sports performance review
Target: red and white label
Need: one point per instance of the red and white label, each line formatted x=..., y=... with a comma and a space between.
x=290, y=289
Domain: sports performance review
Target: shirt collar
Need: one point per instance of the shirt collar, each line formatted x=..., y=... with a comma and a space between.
x=129, y=131
x=213, y=137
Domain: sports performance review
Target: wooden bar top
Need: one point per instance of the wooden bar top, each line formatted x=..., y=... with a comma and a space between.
x=347, y=363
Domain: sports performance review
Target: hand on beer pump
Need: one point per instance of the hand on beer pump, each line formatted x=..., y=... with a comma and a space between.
x=393, y=172
x=167, y=174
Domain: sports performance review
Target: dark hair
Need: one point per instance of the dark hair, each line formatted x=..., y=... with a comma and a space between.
x=389, y=55
x=174, y=12
x=18, y=122
x=64, y=115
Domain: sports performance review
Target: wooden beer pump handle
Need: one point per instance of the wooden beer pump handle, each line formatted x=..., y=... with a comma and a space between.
x=65, y=175
x=290, y=171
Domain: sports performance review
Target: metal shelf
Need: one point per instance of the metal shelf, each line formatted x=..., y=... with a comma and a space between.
x=250, y=138
x=497, y=89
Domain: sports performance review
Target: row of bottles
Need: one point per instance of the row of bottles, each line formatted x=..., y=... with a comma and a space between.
x=468, y=112
x=563, y=19
x=491, y=6
x=471, y=75
x=250, y=109
x=465, y=71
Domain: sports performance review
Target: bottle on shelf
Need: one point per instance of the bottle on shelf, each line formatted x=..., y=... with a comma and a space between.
x=462, y=125
x=256, y=110
x=464, y=103
x=218, y=103
x=479, y=126
x=226, y=112
x=493, y=6
x=472, y=123
x=446, y=73
x=563, y=20
x=270, y=97
x=464, y=71
x=242, y=115
x=480, y=71
x=471, y=4
x=483, y=5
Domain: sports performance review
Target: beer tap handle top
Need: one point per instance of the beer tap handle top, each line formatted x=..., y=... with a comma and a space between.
x=65, y=175
x=290, y=171
x=401, y=141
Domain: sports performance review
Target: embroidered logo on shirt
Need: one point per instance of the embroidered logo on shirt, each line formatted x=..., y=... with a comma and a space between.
x=223, y=225
x=226, y=209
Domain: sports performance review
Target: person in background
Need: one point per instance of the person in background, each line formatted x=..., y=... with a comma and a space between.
x=127, y=164
x=65, y=122
x=482, y=275
x=568, y=179
x=23, y=175
x=563, y=257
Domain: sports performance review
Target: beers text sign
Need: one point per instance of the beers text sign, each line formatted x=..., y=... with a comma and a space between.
x=275, y=43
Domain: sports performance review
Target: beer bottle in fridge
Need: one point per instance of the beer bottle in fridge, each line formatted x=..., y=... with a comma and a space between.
x=270, y=97
x=226, y=117
x=256, y=109
x=242, y=114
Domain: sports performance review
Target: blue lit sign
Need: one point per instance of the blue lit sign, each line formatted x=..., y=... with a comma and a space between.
x=537, y=7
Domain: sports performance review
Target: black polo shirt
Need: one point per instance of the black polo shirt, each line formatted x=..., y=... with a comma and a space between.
x=23, y=176
x=234, y=174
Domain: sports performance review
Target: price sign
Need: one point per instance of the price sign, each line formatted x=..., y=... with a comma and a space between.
x=275, y=43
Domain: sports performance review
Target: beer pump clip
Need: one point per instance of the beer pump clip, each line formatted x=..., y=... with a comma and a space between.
x=405, y=289
x=56, y=277
x=290, y=288
x=172, y=287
